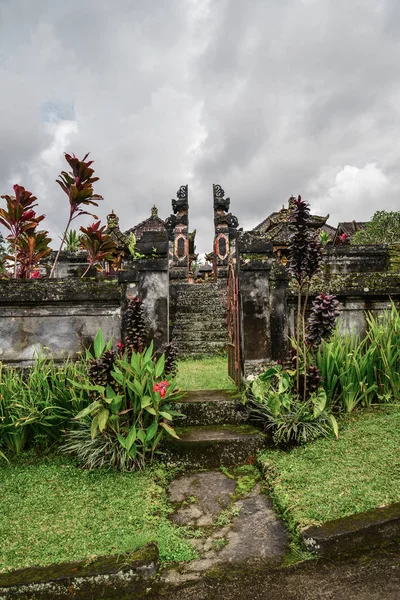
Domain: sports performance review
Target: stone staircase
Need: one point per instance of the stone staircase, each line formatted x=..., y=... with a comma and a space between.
x=213, y=432
x=199, y=318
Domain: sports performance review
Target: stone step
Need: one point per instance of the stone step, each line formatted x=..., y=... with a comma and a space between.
x=198, y=324
x=188, y=318
x=206, y=407
x=196, y=348
x=199, y=307
x=200, y=288
x=212, y=446
x=213, y=335
x=201, y=299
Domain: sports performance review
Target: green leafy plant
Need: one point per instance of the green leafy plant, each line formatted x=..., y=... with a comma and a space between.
x=273, y=402
x=132, y=247
x=383, y=228
x=100, y=247
x=78, y=186
x=72, y=241
x=324, y=238
x=129, y=414
x=2, y=255
x=364, y=371
x=37, y=405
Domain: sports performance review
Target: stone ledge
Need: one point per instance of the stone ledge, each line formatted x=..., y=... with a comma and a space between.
x=112, y=574
x=70, y=290
x=354, y=533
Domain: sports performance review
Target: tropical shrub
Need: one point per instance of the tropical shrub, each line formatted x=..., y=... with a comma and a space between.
x=130, y=412
x=305, y=256
x=383, y=228
x=292, y=404
x=72, y=241
x=37, y=405
x=273, y=403
x=171, y=359
x=361, y=372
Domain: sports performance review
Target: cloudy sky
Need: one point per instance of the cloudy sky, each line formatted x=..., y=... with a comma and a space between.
x=266, y=97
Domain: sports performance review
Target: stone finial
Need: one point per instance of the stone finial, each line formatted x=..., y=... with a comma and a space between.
x=112, y=221
x=154, y=211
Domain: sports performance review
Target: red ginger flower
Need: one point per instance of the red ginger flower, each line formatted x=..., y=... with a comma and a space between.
x=161, y=388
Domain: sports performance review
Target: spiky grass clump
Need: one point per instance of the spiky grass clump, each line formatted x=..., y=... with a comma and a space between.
x=101, y=452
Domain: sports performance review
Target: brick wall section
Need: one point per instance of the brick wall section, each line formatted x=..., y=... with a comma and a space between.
x=198, y=318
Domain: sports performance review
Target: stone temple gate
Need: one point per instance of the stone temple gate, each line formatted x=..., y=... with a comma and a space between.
x=182, y=242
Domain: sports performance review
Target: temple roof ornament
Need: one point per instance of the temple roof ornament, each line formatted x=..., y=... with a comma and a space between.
x=276, y=227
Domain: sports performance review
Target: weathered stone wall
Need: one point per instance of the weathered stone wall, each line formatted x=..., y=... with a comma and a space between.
x=70, y=264
x=364, y=278
x=64, y=315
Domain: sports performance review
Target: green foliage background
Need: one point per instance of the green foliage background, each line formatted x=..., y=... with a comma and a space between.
x=383, y=228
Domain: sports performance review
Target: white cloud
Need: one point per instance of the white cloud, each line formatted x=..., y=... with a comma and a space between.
x=355, y=193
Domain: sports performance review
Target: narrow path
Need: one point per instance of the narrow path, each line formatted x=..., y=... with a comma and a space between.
x=228, y=528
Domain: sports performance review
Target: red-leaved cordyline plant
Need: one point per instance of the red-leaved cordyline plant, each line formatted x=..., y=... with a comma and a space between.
x=98, y=244
x=32, y=248
x=78, y=185
x=20, y=219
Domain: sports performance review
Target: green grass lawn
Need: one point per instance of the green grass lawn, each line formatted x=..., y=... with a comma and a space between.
x=330, y=478
x=51, y=511
x=210, y=373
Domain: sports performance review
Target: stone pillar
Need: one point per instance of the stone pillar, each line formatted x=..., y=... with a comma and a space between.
x=149, y=281
x=262, y=289
x=178, y=227
x=225, y=225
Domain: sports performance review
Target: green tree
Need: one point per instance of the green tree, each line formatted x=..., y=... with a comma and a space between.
x=383, y=228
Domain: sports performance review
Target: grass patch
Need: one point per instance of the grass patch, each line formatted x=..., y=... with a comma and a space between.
x=329, y=479
x=51, y=512
x=210, y=373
